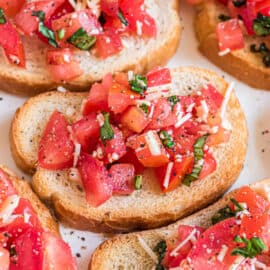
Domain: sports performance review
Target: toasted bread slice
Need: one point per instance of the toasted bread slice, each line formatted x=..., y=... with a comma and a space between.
x=125, y=251
x=243, y=64
x=148, y=207
x=25, y=191
x=138, y=54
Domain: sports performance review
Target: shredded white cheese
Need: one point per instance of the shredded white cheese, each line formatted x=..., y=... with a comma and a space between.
x=152, y=143
x=238, y=261
x=139, y=28
x=8, y=207
x=147, y=249
x=100, y=119
x=61, y=89
x=158, y=88
x=182, y=120
x=226, y=99
x=77, y=153
x=205, y=110
x=167, y=175
x=130, y=75
x=222, y=253
x=174, y=253
x=143, y=101
x=226, y=51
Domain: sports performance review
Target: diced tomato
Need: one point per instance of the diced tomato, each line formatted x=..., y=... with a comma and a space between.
x=11, y=7
x=164, y=115
x=121, y=97
x=56, y=253
x=122, y=176
x=110, y=7
x=209, y=165
x=256, y=226
x=149, y=149
x=107, y=44
x=29, y=23
x=230, y=35
x=86, y=132
x=6, y=186
x=158, y=76
x=121, y=78
x=212, y=97
x=177, y=173
x=62, y=66
x=72, y=22
x=248, y=14
x=221, y=136
x=208, y=246
x=98, y=96
x=56, y=148
x=256, y=204
x=130, y=157
x=135, y=119
x=4, y=259
x=115, y=148
x=96, y=180
x=28, y=247
x=12, y=44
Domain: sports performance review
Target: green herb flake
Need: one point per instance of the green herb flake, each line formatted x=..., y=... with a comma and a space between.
x=261, y=25
x=138, y=182
x=251, y=248
x=44, y=30
x=223, y=17
x=138, y=84
x=61, y=33
x=160, y=249
x=227, y=212
x=121, y=17
x=173, y=100
x=166, y=139
x=144, y=107
x=2, y=17
x=199, y=160
x=106, y=131
x=264, y=51
x=81, y=40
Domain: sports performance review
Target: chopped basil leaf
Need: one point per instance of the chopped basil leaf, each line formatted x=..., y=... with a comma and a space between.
x=2, y=17
x=121, y=17
x=223, y=17
x=166, y=139
x=173, y=100
x=261, y=25
x=81, y=40
x=264, y=51
x=144, y=107
x=61, y=33
x=160, y=249
x=138, y=84
x=227, y=212
x=198, y=165
x=252, y=248
x=44, y=30
x=138, y=182
x=106, y=131
x=239, y=3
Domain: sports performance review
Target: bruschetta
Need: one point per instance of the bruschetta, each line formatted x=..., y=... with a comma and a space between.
x=75, y=43
x=29, y=237
x=233, y=233
x=234, y=35
x=138, y=151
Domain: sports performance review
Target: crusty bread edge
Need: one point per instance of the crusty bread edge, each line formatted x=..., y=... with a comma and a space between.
x=25, y=191
x=201, y=218
x=158, y=57
x=257, y=77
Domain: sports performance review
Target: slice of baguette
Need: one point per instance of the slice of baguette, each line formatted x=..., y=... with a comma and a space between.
x=25, y=191
x=243, y=64
x=125, y=251
x=148, y=207
x=138, y=54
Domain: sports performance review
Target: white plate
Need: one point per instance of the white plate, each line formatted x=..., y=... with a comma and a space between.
x=256, y=104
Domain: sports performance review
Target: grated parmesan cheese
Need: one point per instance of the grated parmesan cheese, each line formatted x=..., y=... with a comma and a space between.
x=139, y=28
x=226, y=51
x=182, y=120
x=158, y=88
x=77, y=153
x=167, y=175
x=238, y=261
x=222, y=253
x=61, y=89
x=152, y=143
x=147, y=249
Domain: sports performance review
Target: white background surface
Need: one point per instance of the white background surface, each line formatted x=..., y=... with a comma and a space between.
x=256, y=104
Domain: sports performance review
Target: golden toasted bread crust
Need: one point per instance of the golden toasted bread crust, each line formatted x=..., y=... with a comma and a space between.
x=144, y=209
x=37, y=79
x=243, y=64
